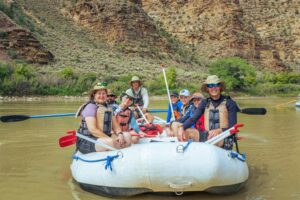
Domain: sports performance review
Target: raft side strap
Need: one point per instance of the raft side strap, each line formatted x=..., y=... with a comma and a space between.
x=241, y=157
x=108, y=160
x=187, y=145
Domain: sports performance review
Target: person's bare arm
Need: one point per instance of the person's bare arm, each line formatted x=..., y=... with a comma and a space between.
x=92, y=127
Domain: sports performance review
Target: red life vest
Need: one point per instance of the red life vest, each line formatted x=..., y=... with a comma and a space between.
x=151, y=129
x=200, y=123
x=123, y=118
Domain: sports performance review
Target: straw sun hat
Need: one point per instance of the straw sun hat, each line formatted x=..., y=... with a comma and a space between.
x=212, y=79
x=98, y=86
x=135, y=78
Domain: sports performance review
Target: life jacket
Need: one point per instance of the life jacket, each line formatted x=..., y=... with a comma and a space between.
x=123, y=118
x=151, y=129
x=185, y=108
x=215, y=117
x=83, y=129
x=200, y=123
x=176, y=110
x=104, y=118
x=138, y=97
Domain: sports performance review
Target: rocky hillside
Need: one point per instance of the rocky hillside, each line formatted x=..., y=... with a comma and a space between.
x=216, y=28
x=18, y=43
x=123, y=36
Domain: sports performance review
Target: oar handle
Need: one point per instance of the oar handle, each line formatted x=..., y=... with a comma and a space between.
x=98, y=141
x=141, y=136
x=169, y=97
x=225, y=134
x=138, y=107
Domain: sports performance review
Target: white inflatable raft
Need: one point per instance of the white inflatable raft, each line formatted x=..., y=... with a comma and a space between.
x=297, y=104
x=160, y=167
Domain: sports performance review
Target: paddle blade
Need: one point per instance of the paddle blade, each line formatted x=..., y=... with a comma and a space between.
x=14, y=118
x=67, y=140
x=254, y=111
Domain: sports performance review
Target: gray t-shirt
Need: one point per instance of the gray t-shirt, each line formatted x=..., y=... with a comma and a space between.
x=90, y=110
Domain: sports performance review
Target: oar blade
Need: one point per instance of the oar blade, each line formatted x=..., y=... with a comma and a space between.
x=67, y=140
x=14, y=118
x=254, y=111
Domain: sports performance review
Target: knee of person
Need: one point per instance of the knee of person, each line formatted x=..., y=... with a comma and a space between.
x=135, y=140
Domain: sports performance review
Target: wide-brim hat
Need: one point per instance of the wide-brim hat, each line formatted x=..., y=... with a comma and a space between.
x=136, y=78
x=197, y=95
x=212, y=79
x=98, y=86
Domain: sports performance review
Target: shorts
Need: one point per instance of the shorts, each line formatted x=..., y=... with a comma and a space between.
x=202, y=135
x=85, y=146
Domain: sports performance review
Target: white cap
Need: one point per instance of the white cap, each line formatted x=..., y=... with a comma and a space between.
x=184, y=92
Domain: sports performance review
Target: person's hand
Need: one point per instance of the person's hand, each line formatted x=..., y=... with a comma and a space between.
x=121, y=140
x=213, y=133
x=144, y=110
x=170, y=132
x=127, y=102
x=181, y=134
x=142, y=134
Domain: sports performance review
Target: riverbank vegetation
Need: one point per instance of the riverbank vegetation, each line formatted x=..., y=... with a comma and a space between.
x=241, y=78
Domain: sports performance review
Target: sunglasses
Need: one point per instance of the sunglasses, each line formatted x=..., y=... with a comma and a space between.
x=111, y=96
x=213, y=85
x=102, y=84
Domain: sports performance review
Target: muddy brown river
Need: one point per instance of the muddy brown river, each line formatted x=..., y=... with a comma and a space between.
x=33, y=166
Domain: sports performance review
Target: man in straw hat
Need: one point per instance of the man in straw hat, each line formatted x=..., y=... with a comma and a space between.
x=220, y=113
x=98, y=123
x=141, y=97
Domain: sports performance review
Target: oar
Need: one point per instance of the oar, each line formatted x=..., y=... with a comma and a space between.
x=283, y=104
x=138, y=107
x=254, y=111
x=70, y=139
x=16, y=118
x=169, y=97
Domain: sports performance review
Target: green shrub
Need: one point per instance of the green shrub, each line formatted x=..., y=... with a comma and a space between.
x=235, y=72
x=283, y=78
x=280, y=89
x=67, y=73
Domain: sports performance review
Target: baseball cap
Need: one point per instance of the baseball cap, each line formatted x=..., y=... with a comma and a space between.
x=184, y=92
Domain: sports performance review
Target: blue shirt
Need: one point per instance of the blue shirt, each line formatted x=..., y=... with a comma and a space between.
x=176, y=106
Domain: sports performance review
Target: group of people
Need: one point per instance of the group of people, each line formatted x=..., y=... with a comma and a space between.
x=202, y=118
x=103, y=119
x=194, y=117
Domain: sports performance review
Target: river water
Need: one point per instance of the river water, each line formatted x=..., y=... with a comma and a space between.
x=33, y=166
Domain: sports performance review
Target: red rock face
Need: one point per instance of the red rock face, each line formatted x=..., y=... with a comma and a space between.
x=19, y=43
